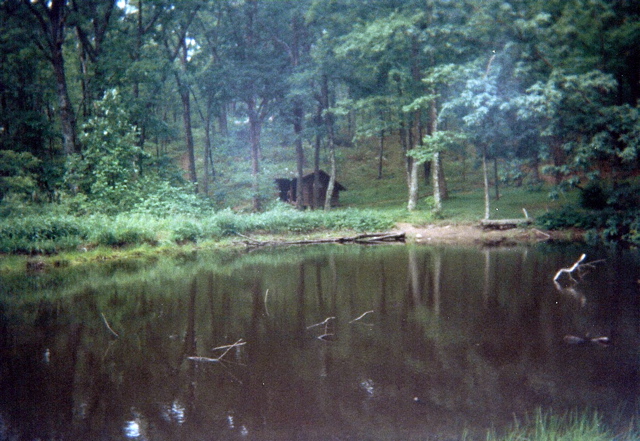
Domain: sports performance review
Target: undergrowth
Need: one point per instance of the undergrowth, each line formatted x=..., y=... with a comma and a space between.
x=43, y=233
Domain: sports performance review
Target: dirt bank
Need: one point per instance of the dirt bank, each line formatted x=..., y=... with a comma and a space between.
x=474, y=234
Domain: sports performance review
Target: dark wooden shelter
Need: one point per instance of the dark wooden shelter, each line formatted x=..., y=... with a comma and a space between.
x=288, y=190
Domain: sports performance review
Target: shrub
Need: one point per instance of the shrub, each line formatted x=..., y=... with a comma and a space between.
x=41, y=234
x=187, y=232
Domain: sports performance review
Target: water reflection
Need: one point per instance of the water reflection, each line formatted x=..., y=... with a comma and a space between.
x=359, y=342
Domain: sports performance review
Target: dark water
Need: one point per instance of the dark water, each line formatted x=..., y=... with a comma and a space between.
x=408, y=343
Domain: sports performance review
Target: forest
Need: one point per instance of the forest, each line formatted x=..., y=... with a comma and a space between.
x=183, y=108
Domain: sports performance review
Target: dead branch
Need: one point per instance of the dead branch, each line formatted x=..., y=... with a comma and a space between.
x=205, y=359
x=570, y=270
x=368, y=238
x=114, y=333
x=324, y=322
x=361, y=316
x=266, y=308
x=226, y=348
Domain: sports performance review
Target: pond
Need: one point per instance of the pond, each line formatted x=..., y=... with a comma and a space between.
x=335, y=342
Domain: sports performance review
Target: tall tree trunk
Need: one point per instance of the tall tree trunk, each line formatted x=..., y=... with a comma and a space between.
x=185, y=96
x=331, y=141
x=298, y=115
x=485, y=175
x=380, y=153
x=209, y=170
x=52, y=17
x=496, y=182
x=255, y=127
x=413, y=184
x=412, y=177
x=67, y=114
x=298, y=110
x=435, y=167
x=316, y=162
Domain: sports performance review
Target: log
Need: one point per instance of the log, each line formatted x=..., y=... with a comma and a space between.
x=367, y=238
x=505, y=224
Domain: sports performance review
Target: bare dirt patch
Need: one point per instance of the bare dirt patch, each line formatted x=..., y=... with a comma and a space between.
x=476, y=235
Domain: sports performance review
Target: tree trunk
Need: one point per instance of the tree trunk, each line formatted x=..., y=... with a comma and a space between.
x=185, y=96
x=485, y=175
x=412, y=178
x=435, y=176
x=496, y=182
x=413, y=184
x=255, y=127
x=380, y=153
x=52, y=17
x=436, y=163
x=331, y=141
x=316, y=162
x=67, y=114
x=209, y=170
x=298, y=115
x=298, y=111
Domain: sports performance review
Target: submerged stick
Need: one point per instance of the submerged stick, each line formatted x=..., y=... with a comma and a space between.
x=324, y=322
x=266, y=308
x=114, y=333
x=361, y=316
x=227, y=348
x=571, y=269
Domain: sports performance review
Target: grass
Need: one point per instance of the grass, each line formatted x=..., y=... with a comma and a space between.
x=571, y=426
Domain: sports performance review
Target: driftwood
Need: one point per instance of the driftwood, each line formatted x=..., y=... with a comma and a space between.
x=369, y=238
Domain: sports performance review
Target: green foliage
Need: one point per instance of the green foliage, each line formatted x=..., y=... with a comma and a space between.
x=41, y=234
x=546, y=426
x=108, y=170
x=593, y=197
x=609, y=214
x=17, y=173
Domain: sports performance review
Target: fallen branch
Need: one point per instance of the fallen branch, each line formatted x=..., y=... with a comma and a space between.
x=266, y=308
x=570, y=270
x=114, y=333
x=361, y=316
x=227, y=348
x=324, y=322
x=368, y=238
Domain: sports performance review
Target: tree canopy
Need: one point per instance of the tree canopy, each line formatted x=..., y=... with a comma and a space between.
x=109, y=102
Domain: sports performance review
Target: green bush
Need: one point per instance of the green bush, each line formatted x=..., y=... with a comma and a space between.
x=187, y=232
x=41, y=234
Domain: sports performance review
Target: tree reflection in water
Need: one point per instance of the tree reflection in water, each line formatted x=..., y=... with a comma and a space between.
x=423, y=341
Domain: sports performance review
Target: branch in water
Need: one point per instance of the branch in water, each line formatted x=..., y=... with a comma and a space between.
x=324, y=322
x=361, y=316
x=114, y=333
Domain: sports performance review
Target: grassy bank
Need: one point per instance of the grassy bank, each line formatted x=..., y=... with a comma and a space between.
x=48, y=234
x=49, y=231
x=571, y=426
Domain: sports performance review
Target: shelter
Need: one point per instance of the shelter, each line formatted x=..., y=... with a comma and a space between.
x=288, y=189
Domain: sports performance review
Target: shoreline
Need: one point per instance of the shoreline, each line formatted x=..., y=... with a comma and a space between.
x=465, y=234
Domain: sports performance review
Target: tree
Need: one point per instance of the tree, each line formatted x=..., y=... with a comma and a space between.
x=255, y=64
x=50, y=19
x=107, y=172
